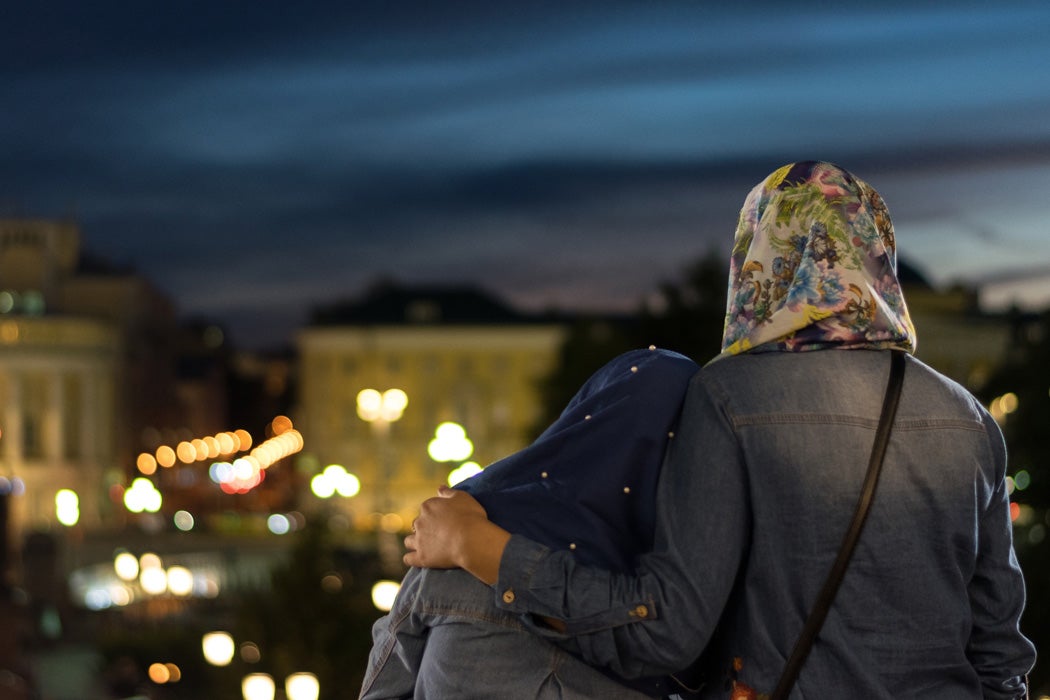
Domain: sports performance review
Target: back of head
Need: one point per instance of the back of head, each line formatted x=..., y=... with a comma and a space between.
x=814, y=266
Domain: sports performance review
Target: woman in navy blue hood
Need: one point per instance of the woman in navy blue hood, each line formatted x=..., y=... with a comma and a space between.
x=586, y=485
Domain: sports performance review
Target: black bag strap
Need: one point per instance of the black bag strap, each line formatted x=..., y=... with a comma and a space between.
x=849, y=542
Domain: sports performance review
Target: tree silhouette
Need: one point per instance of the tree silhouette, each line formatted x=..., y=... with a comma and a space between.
x=687, y=317
x=1026, y=375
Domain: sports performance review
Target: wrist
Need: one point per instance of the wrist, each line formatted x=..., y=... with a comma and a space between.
x=481, y=549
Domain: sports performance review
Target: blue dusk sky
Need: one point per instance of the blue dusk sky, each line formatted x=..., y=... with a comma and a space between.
x=255, y=159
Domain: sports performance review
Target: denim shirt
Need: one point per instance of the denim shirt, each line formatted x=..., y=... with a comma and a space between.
x=445, y=638
x=758, y=488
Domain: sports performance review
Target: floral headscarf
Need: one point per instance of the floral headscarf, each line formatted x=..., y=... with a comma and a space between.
x=814, y=266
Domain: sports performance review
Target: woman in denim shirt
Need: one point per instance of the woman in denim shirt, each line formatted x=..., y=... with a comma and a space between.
x=762, y=479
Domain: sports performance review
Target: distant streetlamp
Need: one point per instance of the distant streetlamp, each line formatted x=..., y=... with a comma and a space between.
x=383, y=594
x=67, y=507
x=258, y=686
x=302, y=686
x=451, y=444
x=218, y=648
x=379, y=410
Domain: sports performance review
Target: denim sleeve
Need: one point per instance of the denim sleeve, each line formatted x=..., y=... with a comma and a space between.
x=1000, y=654
x=659, y=618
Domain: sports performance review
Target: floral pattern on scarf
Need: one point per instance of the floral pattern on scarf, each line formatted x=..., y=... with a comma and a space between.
x=814, y=266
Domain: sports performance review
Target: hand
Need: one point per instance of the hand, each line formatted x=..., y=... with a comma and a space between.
x=453, y=530
x=437, y=535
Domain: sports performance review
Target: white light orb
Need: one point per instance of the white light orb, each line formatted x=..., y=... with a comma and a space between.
x=302, y=686
x=384, y=593
x=218, y=648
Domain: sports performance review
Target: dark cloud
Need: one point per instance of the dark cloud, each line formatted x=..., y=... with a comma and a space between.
x=257, y=158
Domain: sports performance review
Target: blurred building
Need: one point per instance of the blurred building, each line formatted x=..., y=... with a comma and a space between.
x=86, y=371
x=955, y=335
x=457, y=353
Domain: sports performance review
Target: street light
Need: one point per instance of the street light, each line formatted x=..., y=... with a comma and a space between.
x=383, y=594
x=258, y=686
x=302, y=686
x=451, y=444
x=379, y=410
x=218, y=648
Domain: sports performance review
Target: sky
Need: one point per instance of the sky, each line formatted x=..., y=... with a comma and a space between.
x=256, y=160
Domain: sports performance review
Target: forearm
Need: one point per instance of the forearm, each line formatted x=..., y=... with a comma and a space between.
x=646, y=623
x=658, y=617
x=481, y=550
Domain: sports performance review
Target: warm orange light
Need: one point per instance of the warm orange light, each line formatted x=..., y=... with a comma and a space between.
x=212, y=444
x=228, y=443
x=146, y=463
x=186, y=453
x=244, y=439
x=281, y=424
x=200, y=450
x=1015, y=511
x=159, y=674
x=165, y=456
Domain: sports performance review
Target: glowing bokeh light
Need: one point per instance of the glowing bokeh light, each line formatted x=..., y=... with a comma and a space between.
x=183, y=520
x=384, y=593
x=244, y=439
x=258, y=686
x=227, y=443
x=149, y=560
x=302, y=686
x=165, y=456
x=153, y=580
x=159, y=674
x=146, y=463
x=463, y=472
x=1022, y=479
x=67, y=507
x=335, y=479
x=322, y=486
x=211, y=444
x=142, y=496
x=450, y=443
x=278, y=524
x=180, y=581
x=126, y=566
x=119, y=595
x=387, y=407
x=369, y=402
x=280, y=424
x=185, y=452
x=218, y=648
x=394, y=403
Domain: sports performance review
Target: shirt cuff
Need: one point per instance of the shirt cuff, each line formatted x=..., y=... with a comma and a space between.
x=520, y=589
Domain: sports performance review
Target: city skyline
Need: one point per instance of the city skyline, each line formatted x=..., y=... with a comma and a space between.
x=257, y=163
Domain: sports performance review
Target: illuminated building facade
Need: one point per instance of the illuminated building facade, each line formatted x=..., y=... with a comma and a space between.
x=85, y=366
x=458, y=355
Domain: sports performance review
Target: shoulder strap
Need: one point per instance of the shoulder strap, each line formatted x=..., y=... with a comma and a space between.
x=849, y=542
